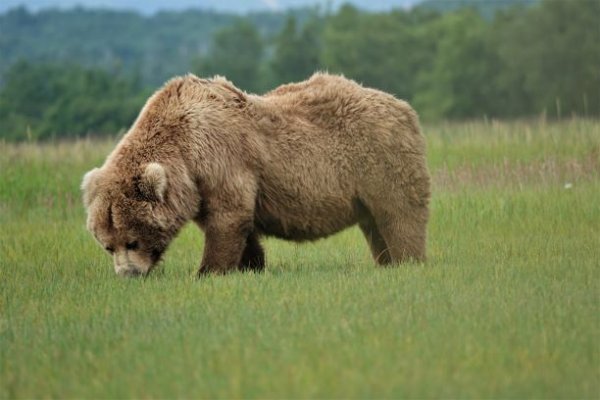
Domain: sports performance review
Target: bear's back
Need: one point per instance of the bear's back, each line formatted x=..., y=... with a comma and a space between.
x=323, y=100
x=319, y=88
x=335, y=103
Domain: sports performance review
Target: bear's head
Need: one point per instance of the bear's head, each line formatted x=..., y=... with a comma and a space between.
x=129, y=215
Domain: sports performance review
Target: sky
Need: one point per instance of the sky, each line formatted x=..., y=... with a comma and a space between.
x=239, y=6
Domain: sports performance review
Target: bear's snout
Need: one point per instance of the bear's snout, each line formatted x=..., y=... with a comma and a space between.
x=129, y=272
x=131, y=263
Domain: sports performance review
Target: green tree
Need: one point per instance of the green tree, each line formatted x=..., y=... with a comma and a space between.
x=43, y=101
x=460, y=82
x=385, y=50
x=236, y=53
x=296, y=54
x=551, y=56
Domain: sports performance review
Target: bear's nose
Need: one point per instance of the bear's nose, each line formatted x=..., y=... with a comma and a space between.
x=128, y=272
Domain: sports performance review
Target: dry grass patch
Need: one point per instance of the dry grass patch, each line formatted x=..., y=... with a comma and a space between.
x=515, y=174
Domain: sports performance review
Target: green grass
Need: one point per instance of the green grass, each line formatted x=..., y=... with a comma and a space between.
x=506, y=307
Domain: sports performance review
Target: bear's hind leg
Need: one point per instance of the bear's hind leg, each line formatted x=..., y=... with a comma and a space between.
x=405, y=233
x=253, y=257
x=377, y=244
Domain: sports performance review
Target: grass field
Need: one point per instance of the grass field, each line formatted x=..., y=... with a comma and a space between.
x=508, y=305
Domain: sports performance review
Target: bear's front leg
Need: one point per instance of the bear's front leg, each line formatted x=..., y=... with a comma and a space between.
x=225, y=241
x=253, y=257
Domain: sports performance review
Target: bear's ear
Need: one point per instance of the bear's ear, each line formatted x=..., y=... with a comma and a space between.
x=153, y=182
x=89, y=186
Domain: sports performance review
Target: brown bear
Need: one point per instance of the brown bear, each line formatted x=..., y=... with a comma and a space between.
x=302, y=162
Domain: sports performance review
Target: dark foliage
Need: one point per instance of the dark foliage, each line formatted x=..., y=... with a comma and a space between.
x=89, y=71
x=50, y=101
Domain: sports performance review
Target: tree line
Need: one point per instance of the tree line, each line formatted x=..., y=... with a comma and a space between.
x=459, y=64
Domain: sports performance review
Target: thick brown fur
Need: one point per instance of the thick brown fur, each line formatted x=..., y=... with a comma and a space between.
x=302, y=162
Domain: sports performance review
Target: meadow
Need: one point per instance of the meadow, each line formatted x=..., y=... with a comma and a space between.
x=507, y=306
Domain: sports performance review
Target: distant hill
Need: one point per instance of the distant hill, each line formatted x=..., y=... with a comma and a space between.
x=149, y=7
x=155, y=46
x=487, y=8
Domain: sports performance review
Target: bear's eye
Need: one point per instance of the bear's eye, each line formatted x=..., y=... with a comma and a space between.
x=131, y=245
x=110, y=249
